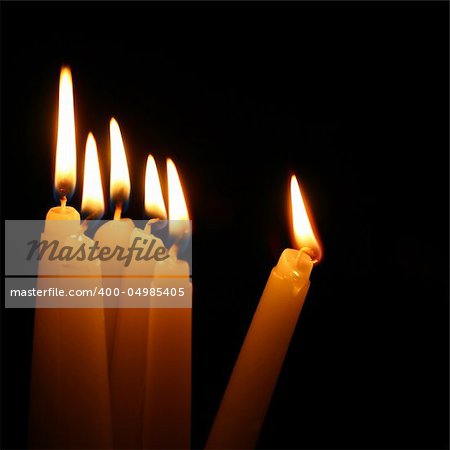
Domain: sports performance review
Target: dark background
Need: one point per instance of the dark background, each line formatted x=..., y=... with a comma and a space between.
x=353, y=98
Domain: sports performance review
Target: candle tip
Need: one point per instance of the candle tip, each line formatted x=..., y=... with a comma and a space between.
x=311, y=253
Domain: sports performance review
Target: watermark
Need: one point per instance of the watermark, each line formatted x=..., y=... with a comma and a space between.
x=109, y=264
x=141, y=249
x=97, y=293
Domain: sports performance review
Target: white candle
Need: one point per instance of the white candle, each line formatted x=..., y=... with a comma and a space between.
x=130, y=343
x=115, y=232
x=167, y=408
x=46, y=428
x=85, y=383
x=249, y=391
x=65, y=162
x=69, y=387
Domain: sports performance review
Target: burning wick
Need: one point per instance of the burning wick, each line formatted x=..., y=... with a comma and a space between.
x=63, y=201
x=118, y=211
x=310, y=252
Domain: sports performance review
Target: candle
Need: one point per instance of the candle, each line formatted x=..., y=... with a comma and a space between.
x=65, y=161
x=129, y=354
x=69, y=386
x=85, y=407
x=61, y=221
x=167, y=408
x=249, y=391
x=115, y=232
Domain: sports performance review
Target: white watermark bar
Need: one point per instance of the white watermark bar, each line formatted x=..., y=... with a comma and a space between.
x=94, y=292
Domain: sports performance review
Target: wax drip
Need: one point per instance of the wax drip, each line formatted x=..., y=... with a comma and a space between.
x=148, y=226
x=177, y=244
x=173, y=251
x=85, y=224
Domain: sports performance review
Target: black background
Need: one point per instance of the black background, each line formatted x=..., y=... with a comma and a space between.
x=353, y=98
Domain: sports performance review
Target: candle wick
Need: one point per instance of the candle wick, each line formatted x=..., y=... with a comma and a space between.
x=310, y=252
x=118, y=211
x=63, y=201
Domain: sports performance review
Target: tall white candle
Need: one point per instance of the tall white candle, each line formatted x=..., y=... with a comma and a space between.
x=69, y=384
x=167, y=401
x=130, y=343
x=84, y=369
x=61, y=221
x=115, y=232
x=246, y=400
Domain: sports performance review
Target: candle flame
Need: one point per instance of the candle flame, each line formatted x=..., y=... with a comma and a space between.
x=119, y=178
x=177, y=204
x=66, y=158
x=154, y=202
x=303, y=232
x=93, y=202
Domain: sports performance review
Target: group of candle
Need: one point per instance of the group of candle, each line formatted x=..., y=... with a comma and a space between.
x=97, y=372
x=121, y=378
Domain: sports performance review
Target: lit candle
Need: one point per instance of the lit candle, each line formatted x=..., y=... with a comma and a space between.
x=85, y=407
x=115, y=232
x=130, y=342
x=69, y=385
x=65, y=161
x=167, y=408
x=45, y=394
x=249, y=391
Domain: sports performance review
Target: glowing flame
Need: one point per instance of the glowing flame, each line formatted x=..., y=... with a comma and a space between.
x=119, y=187
x=93, y=202
x=304, y=235
x=154, y=202
x=177, y=203
x=66, y=157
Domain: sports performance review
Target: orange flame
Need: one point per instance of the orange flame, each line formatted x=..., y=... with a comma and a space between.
x=120, y=185
x=303, y=233
x=154, y=202
x=66, y=157
x=177, y=204
x=93, y=201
